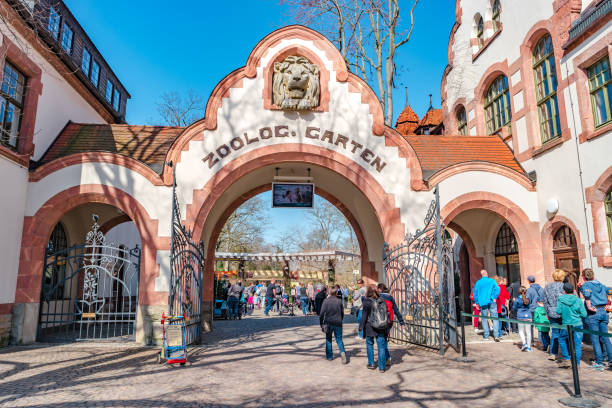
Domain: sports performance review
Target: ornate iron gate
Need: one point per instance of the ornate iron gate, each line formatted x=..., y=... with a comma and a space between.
x=187, y=272
x=419, y=274
x=89, y=291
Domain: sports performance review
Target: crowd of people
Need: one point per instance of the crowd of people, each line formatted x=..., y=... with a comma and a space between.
x=559, y=302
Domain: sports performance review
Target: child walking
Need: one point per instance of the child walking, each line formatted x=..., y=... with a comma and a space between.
x=523, y=312
x=539, y=316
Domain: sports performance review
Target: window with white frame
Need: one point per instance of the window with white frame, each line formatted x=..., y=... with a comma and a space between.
x=116, y=99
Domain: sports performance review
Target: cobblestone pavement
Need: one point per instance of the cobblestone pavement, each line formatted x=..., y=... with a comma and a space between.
x=278, y=362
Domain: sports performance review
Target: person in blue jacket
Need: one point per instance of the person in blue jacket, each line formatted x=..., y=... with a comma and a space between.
x=595, y=299
x=522, y=308
x=486, y=292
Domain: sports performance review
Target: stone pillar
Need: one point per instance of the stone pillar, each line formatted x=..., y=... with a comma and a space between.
x=207, y=316
x=24, y=324
x=148, y=324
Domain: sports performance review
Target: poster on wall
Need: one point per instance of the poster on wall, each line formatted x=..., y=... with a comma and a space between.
x=292, y=195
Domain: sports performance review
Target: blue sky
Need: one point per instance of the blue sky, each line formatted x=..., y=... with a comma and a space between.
x=155, y=46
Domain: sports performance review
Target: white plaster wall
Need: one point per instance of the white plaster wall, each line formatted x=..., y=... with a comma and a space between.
x=473, y=181
x=156, y=200
x=243, y=112
x=465, y=75
x=13, y=183
x=51, y=116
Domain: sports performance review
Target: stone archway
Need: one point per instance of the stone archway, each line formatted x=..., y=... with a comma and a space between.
x=38, y=228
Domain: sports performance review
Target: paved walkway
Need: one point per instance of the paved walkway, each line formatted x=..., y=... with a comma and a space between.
x=278, y=362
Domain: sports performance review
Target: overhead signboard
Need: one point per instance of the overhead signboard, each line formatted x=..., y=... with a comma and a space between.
x=292, y=195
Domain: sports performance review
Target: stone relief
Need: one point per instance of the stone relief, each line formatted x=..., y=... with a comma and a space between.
x=295, y=84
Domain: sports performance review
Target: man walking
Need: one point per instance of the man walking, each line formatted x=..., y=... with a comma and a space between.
x=270, y=295
x=486, y=292
x=233, y=299
x=357, y=302
x=383, y=293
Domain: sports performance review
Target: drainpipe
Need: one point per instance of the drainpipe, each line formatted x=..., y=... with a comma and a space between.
x=579, y=159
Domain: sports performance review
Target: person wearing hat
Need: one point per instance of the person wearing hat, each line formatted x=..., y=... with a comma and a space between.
x=572, y=311
x=535, y=293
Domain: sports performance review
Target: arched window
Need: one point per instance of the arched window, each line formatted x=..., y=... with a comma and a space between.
x=506, y=255
x=608, y=206
x=546, y=88
x=495, y=15
x=497, y=105
x=479, y=31
x=462, y=121
x=55, y=272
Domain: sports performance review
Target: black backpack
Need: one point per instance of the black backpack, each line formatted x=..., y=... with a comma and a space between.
x=379, y=315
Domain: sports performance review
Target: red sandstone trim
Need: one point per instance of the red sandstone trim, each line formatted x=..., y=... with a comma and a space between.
x=6, y=308
x=595, y=196
x=495, y=70
x=96, y=157
x=527, y=232
x=481, y=166
x=110, y=224
x=585, y=108
x=548, y=232
x=487, y=42
x=476, y=263
x=19, y=58
x=234, y=80
x=37, y=229
x=313, y=58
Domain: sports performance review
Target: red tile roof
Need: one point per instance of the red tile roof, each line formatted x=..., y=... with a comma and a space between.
x=433, y=117
x=438, y=152
x=407, y=121
x=147, y=144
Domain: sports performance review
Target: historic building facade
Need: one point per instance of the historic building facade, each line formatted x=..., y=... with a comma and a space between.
x=539, y=80
x=293, y=110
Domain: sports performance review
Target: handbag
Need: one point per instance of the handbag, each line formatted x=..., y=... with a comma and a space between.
x=325, y=327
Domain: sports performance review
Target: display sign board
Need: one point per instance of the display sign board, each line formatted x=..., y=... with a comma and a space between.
x=292, y=195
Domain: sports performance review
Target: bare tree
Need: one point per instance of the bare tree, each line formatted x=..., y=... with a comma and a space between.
x=243, y=230
x=368, y=34
x=175, y=109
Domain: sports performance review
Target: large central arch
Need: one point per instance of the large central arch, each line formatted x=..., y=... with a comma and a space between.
x=359, y=197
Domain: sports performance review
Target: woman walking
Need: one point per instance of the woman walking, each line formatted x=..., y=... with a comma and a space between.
x=371, y=334
x=330, y=318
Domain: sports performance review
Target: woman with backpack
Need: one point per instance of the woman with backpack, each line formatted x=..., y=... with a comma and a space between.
x=523, y=310
x=375, y=324
x=330, y=318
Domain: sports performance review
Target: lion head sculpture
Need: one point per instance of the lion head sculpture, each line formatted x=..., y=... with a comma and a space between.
x=295, y=84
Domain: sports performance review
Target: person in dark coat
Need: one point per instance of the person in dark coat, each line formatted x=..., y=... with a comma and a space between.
x=319, y=298
x=330, y=318
x=372, y=334
x=383, y=292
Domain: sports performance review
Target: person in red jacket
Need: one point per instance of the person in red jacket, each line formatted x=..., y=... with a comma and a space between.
x=475, y=312
x=502, y=302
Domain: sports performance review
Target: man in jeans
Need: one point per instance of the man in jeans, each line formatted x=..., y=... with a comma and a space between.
x=233, y=299
x=595, y=299
x=486, y=292
x=357, y=302
x=270, y=295
x=302, y=292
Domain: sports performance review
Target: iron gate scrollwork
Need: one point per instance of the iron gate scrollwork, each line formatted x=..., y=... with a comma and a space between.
x=187, y=271
x=419, y=274
x=89, y=291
